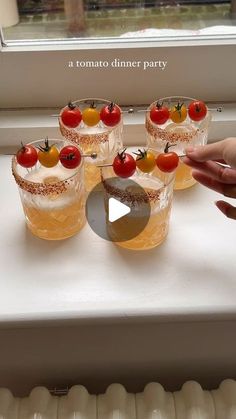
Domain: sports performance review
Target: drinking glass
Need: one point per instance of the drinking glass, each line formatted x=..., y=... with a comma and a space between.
x=158, y=187
x=53, y=199
x=178, y=135
x=100, y=139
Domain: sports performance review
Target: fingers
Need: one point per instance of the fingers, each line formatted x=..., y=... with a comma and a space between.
x=220, y=173
x=208, y=172
x=227, y=209
x=206, y=180
x=208, y=152
x=221, y=150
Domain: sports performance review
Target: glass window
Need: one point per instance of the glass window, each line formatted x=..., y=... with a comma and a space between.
x=43, y=19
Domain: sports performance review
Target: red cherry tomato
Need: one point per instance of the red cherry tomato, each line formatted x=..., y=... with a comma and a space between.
x=167, y=161
x=159, y=114
x=197, y=110
x=110, y=115
x=27, y=156
x=71, y=116
x=70, y=157
x=124, y=165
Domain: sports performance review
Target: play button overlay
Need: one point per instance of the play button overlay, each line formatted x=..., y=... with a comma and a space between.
x=118, y=209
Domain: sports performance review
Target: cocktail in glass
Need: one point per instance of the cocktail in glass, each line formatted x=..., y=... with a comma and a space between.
x=158, y=187
x=178, y=135
x=53, y=199
x=101, y=139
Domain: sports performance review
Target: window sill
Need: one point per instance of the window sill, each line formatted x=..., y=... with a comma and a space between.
x=105, y=283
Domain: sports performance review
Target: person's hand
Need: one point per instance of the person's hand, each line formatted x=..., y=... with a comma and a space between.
x=206, y=169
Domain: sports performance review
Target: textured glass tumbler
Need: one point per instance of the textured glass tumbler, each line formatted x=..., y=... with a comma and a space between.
x=100, y=139
x=178, y=135
x=53, y=199
x=158, y=187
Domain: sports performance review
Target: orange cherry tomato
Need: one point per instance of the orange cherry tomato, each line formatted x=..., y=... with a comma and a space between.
x=178, y=113
x=145, y=161
x=48, y=155
x=91, y=116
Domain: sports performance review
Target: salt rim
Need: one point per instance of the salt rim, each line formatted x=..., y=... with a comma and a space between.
x=133, y=198
x=40, y=188
x=87, y=139
x=74, y=136
x=164, y=135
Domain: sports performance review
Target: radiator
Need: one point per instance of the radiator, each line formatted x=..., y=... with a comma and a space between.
x=191, y=402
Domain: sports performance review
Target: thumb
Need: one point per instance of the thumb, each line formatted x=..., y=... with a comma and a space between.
x=227, y=209
x=224, y=149
x=208, y=152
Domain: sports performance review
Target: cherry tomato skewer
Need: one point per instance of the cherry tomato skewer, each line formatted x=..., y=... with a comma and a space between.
x=92, y=155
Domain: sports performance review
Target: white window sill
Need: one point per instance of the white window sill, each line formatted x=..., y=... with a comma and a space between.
x=178, y=280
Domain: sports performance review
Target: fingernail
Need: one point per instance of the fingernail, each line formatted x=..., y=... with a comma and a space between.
x=190, y=149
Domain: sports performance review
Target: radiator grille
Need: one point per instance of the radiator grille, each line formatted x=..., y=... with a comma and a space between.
x=191, y=402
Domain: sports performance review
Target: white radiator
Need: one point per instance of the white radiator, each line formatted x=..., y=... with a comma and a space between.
x=191, y=402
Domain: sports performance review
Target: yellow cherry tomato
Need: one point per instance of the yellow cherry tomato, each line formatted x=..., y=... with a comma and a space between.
x=48, y=155
x=145, y=161
x=178, y=113
x=91, y=116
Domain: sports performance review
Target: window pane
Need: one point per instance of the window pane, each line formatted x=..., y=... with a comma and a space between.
x=43, y=19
